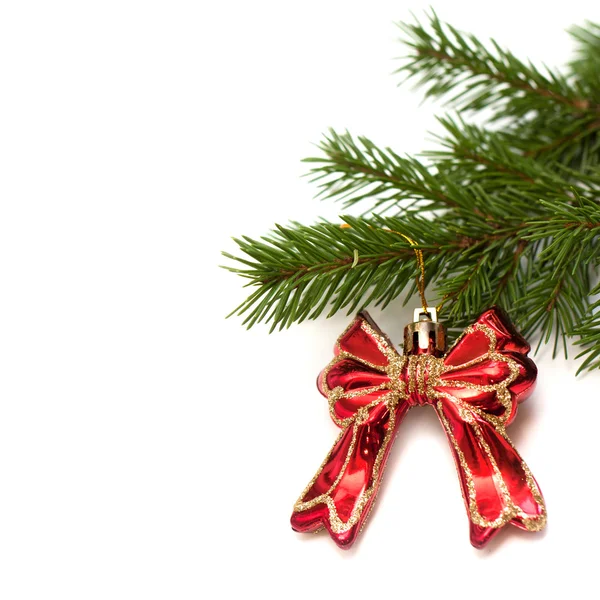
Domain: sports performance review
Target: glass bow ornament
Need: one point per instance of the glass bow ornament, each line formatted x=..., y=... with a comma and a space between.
x=474, y=387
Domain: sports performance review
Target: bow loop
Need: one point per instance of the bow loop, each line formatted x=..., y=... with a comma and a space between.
x=364, y=372
x=364, y=340
x=488, y=367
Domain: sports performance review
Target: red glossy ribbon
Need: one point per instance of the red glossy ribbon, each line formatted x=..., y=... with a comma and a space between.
x=475, y=389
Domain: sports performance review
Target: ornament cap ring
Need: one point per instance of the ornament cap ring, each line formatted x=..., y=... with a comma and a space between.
x=425, y=335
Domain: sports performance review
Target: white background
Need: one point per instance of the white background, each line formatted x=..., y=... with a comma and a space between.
x=148, y=447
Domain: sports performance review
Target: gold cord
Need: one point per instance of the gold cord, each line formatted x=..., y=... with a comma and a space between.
x=420, y=263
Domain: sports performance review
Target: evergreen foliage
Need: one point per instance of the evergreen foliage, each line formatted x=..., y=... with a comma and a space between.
x=506, y=213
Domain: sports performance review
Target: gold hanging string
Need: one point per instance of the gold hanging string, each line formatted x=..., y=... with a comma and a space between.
x=420, y=263
x=441, y=304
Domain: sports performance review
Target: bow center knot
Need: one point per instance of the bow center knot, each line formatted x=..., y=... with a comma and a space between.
x=420, y=373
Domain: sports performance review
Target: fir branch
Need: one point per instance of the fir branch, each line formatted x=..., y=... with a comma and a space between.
x=352, y=170
x=585, y=66
x=299, y=270
x=507, y=216
x=555, y=305
x=355, y=170
x=574, y=143
x=565, y=108
x=588, y=331
x=488, y=157
x=445, y=60
x=571, y=232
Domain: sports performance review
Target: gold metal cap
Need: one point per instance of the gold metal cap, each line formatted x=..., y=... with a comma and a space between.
x=425, y=335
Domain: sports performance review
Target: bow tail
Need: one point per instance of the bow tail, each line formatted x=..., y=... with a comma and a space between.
x=497, y=485
x=341, y=494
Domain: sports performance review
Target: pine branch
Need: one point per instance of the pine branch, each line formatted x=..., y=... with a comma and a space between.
x=574, y=142
x=588, y=331
x=554, y=305
x=352, y=170
x=299, y=269
x=355, y=170
x=571, y=233
x=489, y=158
x=303, y=268
x=555, y=116
x=445, y=60
x=585, y=65
x=508, y=216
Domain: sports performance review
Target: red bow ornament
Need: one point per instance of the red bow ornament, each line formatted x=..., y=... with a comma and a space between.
x=475, y=388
